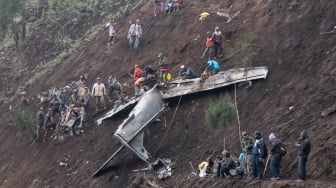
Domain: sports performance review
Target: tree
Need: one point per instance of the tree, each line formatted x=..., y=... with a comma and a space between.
x=220, y=114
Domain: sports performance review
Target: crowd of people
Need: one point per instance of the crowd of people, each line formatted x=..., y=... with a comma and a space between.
x=253, y=160
x=67, y=107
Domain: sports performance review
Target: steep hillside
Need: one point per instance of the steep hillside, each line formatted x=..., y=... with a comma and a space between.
x=302, y=72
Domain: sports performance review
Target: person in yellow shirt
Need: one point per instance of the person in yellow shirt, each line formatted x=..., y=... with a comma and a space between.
x=98, y=92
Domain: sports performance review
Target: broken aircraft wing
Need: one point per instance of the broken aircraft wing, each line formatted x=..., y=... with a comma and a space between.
x=223, y=78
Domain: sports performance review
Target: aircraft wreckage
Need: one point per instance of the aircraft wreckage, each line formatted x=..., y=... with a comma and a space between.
x=150, y=105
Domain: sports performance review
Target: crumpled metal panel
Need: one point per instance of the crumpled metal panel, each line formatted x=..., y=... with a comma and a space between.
x=130, y=132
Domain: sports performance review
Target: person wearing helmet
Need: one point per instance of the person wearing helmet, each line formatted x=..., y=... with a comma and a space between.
x=218, y=39
x=259, y=155
x=187, y=73
x=163, y=67
x=247, y=147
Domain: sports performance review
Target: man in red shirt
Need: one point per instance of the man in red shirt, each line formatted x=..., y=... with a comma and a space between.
x=138, y=79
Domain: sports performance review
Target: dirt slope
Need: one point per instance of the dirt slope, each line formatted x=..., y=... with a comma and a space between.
x=302, y=73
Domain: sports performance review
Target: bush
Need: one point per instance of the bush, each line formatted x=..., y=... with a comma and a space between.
x=244, y=51
x=24, y=122
x=220, y=113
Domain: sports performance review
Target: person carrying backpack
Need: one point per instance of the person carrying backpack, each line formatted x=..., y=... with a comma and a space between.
x=218, y=38
x=259, y=155
x=276, y=155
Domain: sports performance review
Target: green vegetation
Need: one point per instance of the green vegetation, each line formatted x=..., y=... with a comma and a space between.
x=24, y=121
x=220, y=114
x=244, y=51
x=22, y=22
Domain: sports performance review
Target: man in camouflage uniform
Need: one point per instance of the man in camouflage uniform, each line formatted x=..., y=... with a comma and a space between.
x=247, y=147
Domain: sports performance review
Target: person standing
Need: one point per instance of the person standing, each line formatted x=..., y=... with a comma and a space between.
x=138, y=33
x=98, y=92
x=259, y=155
x=275, y=157
x=163, y=67
x=218, y=38
x=111, y=34
x=209, y=47
x=49, y=122
x=110, y=82
x=304, y=146
x=131, y=34
x=40, y=121
x=247, y=147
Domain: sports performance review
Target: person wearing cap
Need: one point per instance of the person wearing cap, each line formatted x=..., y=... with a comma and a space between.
x=138, y=77
x=259, y=155
x=187, y=73
x=98, y=92
x=304, y=146
x=275, y=157
x=247, y=143
x=218, y=38
x=163, y=67
x=111, y=34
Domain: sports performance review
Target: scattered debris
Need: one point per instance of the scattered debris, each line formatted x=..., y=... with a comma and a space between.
x=228, y=16
x=291, y=108
x=328, y=111
x=63, y=164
